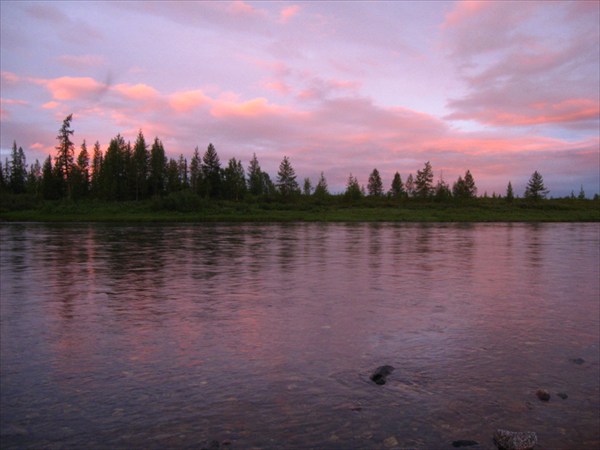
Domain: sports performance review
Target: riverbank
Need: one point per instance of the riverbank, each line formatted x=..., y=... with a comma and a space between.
x=333, y=210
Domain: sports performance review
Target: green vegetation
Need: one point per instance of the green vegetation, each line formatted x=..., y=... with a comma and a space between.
x=137, y=183
x=187, y=207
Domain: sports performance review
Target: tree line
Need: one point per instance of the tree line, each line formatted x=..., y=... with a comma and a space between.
x=142, y=170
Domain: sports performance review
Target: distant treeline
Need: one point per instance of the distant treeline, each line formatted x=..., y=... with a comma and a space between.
x=142, y=171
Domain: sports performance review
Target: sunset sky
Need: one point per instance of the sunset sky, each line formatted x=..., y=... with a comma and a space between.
x=500, y=88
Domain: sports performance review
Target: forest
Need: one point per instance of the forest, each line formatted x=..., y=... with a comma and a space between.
x=141, y=173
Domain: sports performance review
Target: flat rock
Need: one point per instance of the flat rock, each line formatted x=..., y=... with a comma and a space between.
x=515, y=440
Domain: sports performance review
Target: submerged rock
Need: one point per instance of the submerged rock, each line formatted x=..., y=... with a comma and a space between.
x=464, y=443
x=381, y=373
x=562, y=395
x=543, y=395
x=515, y=440
x=390, y=442
x=578, y=361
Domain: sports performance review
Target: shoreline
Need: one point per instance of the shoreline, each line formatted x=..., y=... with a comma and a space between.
x=335, y=209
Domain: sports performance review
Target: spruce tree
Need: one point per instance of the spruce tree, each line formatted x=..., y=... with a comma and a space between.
x=196, y=172
x=97, y=161
x=234, y=180
x=18, y=170
x=470, y=188
x=65, y=151
x=158, y=168
x=410, y=186
x=114, y=170
x=535, y=189
x=397, y=189
x=510, y=196
x=353, y=190
x=255, y=177
x=424, y=182
x=375, y=185
x=141, y=159
x=183, y=172
x=34, y=179
x=211, y=172
x=173, y=183
x=321, y=189
x=81, y=173
x=307, y=187
x=50, y=183
x=286, y=179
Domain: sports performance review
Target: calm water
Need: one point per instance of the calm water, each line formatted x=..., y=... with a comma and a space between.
x=265, y=335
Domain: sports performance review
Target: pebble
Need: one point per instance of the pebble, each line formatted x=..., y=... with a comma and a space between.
x=543, y=395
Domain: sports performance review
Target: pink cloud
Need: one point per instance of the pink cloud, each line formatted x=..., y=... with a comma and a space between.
x=11, y=101
x=277, y=86
x=139, y=92
x=70, y=88
x=252, y=108
x=50, y=105
x=288, y=12
x=188, y=100
x=463, y=11
x=565, y=112
x=518, y=73
x=9, y=77
x=239, y=7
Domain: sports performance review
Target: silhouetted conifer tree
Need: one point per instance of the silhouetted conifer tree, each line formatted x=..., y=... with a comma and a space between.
x=286, y=179
x=211, y=173
x=321, y=190
x=141, y=162
x=65, y=153
x=510, y=196
x=234, y=180
x=18, y=170
x=158, y=168
x=410, y=186
x=535, y=189
x=424, y=182
x=196, y=172
x=353, y=190
x=397, y=189
x=375, y=185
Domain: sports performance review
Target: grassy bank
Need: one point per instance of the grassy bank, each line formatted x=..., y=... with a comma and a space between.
x=330, y=210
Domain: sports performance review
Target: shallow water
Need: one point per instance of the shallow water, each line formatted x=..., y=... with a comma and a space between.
x=264, y=336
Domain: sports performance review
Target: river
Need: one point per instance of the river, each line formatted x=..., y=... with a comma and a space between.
x=265, y=335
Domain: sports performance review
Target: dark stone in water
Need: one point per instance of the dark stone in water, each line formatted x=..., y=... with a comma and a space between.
x=381, y=373
x=464, y=443
x=562, y=395
x=578, y=361
x=543, y=395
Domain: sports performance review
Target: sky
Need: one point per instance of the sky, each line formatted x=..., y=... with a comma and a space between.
x=499, y=88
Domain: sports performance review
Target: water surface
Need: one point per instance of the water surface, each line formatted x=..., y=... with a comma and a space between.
x=264, y=336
